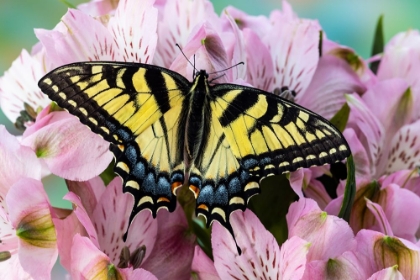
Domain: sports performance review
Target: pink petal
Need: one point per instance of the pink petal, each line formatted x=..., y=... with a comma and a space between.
x=88, y=262
x=134, y=27
x=296, y=55
x=89, y=192
x=381, y=219
x=20, y=84
x=110, y=219
x=83, y=217
x=142, y=274
x=385, y=98
x=69, y=148
x=178, y=19
x=174, y=242
x=30, y=215
x=202, y=266
x=207, y=47
x=260, y=252
x=259, y=63
x=293, y=258
x=78, y=37
x=405, y=148
x=377, y=251
x=368, y=129
x=390, y=273
x=96, y=8
x=332, y=79
x=361, y=159
x=346, y=266
x=66, y=229
x=399, y=202
x=299, y=209
x=329, y=235
x=17, y=162
x=258, y=24
x=11, y=269
x=398, y=61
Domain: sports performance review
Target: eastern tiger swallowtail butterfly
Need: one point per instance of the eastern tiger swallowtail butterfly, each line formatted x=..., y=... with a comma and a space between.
x=165, y=132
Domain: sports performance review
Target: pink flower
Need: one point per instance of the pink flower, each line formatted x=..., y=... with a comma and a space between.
x=261, y=255
x=27, y=233
x=103, y=214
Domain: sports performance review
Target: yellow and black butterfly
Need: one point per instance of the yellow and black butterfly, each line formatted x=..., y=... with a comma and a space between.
x=165, y=132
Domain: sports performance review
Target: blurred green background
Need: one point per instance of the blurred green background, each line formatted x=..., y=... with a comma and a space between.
x=348, y=22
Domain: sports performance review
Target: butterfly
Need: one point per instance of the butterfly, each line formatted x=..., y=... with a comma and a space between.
x=165, y=131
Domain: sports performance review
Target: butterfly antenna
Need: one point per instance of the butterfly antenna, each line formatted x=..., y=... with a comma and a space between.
x=192, y=64
x=224, y=70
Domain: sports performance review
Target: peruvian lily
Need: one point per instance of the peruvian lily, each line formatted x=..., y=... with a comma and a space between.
x=103, y=214
x=261, y=256
x=28, y=238
x=19, y=86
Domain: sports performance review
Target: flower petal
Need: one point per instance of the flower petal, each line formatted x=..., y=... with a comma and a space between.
x=19, y=85
x=293, y=258
x=110, y=219
x=11, y=269
x=329, y=235
x=134, y=27
x=377, y=251
x=88, y=262
x=296, y=55
x=66, y=229
x=260, y=251
x=390, y=273
x=17, y=162
x=30, y=215
x=78, y=37
x=178, y=19
x=69, y=148
x=174, y=242
x=332, y=79
x=405, y=148
x=202, y=266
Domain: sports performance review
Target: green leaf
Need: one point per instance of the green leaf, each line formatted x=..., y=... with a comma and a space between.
x=272, y=205
x=339, y=120
x=68, y=4
x=378, y=44
x=108, y=173
x=203, y=235
x=349, y=191
x=320, y=43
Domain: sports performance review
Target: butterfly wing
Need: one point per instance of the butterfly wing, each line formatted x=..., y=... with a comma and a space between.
x=270, y=135
x=136, y=107
x=255, y=134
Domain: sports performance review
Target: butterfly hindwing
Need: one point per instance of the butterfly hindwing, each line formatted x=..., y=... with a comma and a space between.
x=270, y=135
x=136, y=108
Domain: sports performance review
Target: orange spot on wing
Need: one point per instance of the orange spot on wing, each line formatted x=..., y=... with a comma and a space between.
x=175, y=186
x=163, y=199
x=203, y=206
x=195, y=190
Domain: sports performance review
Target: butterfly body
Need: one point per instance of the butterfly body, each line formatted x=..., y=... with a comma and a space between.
x=166, y=131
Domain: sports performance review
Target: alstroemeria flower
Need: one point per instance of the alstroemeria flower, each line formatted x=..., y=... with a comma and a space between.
x=19, y=85
x=28, y=239
x=261, y=255
x=104, y=213
x=91, y=263
x=129, y=35
x=401, y=60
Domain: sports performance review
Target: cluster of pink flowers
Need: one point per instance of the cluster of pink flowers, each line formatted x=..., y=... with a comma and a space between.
x=383, y=130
